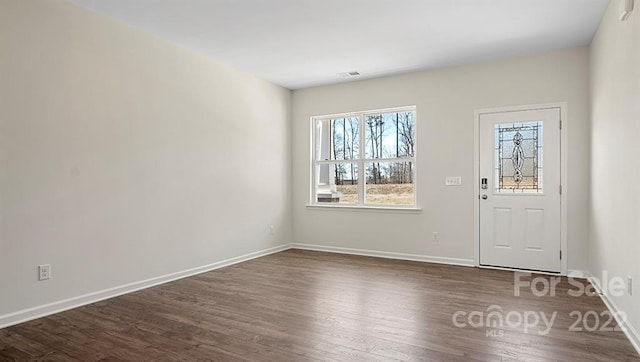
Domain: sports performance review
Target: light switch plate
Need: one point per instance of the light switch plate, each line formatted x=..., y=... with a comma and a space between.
x=453, y=181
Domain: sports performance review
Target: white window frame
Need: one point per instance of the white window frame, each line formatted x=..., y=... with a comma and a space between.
x=361, y=161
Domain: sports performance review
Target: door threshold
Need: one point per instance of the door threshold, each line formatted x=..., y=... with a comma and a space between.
x=521, y=270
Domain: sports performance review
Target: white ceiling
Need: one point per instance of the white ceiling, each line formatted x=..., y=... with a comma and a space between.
x=303, y=43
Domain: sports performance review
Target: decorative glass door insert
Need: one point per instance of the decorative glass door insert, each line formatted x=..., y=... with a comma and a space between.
x=518, y=157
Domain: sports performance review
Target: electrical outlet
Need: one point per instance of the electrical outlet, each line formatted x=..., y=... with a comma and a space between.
x=436, y=237
x=44, y=271
x=630, y=285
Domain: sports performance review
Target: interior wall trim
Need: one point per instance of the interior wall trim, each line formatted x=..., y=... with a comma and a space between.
x=25, y=315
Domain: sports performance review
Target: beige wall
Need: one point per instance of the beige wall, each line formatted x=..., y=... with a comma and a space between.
x=445, y=100
x=123, y=157
x=615, y=122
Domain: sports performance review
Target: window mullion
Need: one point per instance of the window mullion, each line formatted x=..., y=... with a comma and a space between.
x=400, y=159
x=361, y=171
x=314, y=164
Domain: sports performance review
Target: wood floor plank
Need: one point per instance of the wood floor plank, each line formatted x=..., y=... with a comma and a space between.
x=301, y=305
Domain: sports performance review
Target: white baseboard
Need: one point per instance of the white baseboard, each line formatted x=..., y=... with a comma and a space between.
x=632, y=334
x=386, y=254
x=70, y=303
x=25, y=315
x=66, y=304
x=582, y=274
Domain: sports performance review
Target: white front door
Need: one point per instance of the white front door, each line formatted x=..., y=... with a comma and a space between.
x=520, y=189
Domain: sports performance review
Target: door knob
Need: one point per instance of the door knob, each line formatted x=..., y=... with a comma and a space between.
x=484, y=197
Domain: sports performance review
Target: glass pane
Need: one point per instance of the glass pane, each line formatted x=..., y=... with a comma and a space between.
x=389, y=183
x=337, y=139
x=345, y=137
x=337, y=183
x=518, y=157
x=390, y=135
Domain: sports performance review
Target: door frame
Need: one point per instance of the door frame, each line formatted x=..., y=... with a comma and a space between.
x=564, y=118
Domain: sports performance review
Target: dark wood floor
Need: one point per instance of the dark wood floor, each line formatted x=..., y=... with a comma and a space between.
x=301, y=305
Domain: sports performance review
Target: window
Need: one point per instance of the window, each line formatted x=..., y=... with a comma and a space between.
x=365, y=159
x=518, y=157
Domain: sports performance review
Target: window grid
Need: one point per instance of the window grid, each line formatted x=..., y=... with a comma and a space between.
x=360, y=162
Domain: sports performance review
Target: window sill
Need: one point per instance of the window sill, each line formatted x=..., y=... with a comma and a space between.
x=408, y=210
